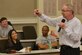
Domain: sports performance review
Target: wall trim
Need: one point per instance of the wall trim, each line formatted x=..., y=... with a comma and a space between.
x=24, y=21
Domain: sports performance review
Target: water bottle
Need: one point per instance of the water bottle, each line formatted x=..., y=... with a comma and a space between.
x=58, y=43
x=49, y=44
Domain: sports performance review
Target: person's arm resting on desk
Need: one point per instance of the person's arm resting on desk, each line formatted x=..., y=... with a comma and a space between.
x=54, y=44
x=41, y=46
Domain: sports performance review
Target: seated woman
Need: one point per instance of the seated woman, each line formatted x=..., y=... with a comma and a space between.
x=13, y=42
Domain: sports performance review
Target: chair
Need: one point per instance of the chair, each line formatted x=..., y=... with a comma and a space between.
x=9, y=23
x=29, y=32
x=3, y=44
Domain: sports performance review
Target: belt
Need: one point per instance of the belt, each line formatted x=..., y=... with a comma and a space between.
x=66, y=46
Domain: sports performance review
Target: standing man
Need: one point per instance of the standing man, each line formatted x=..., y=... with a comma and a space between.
x=70, y=33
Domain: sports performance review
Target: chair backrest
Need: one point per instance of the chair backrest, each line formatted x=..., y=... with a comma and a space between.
x=29, y=32
x=9, y=23
x=3, y=44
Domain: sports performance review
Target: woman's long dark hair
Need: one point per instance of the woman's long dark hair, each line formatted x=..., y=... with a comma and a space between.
x=10, y=34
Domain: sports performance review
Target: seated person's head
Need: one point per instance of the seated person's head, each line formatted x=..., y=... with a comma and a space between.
x=45, y=30
x=12, y=34
x=4, y=22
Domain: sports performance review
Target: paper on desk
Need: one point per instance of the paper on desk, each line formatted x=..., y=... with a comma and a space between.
x=22, y=50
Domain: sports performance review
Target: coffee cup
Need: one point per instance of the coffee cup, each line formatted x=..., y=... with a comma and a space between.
x=28, y=49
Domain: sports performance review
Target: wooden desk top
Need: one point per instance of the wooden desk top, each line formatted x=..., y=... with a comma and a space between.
x=32, y=40
x=40, y=51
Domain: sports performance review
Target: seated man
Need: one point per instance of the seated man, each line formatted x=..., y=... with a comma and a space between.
x=46, y=41
x=4, y=27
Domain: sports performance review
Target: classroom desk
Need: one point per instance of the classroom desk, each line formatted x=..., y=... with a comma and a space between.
x=23, y=41
x=3, y=38
x=33, y=52
x=38, y=52
x=48, y=51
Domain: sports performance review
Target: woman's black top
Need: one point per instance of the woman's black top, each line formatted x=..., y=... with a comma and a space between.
x=14, y=46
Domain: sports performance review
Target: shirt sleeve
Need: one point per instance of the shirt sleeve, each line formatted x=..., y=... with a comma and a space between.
x=50, y=21
x=10, y=27
x=19, y=45
x=38, y=40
